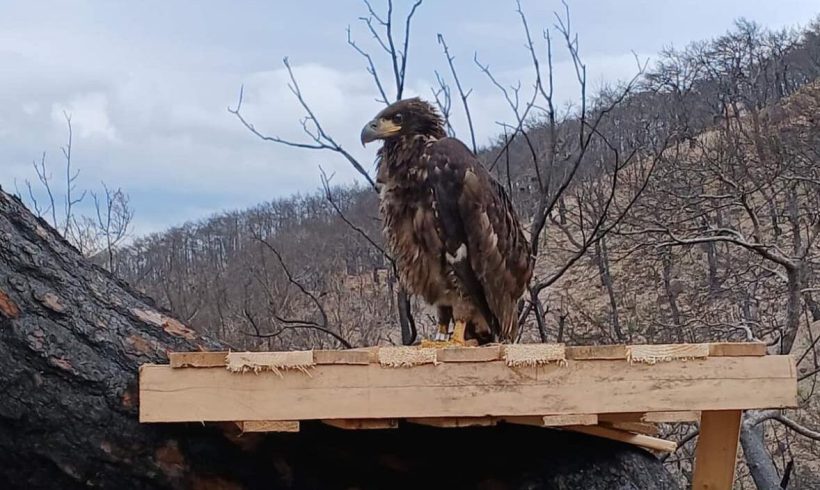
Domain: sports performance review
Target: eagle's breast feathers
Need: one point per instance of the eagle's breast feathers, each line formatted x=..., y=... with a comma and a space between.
x=453, y=231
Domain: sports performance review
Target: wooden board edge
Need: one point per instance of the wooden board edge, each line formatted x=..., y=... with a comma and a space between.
x=654, y=353
x=362, y=424
x=645, y=428
x=651, y=417
x=641, y=440
x=365, y=355
x=574, y=419
x=469, y=354
x=596, y=352
x=454, y=422
x=737, y=349
x=197, y=359
x=268, y=425
x=358, y=357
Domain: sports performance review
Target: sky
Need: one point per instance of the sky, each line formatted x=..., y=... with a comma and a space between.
x=148, y=84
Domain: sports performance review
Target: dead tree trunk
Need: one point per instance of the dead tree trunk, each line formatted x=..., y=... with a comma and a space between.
x=72, y=338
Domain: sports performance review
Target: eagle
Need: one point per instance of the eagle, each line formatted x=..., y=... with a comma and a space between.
x=449, y=225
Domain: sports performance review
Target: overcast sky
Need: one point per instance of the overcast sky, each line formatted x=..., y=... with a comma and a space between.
x=148, y=83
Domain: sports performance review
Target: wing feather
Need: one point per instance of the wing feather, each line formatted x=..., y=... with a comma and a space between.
x=474, y=210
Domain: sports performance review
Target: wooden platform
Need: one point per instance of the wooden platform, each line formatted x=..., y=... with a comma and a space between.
x=617, y=392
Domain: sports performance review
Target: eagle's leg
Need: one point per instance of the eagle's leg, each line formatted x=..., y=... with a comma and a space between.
x=456, y=338
x=445, y=315
x=443, y=337
x=458, y=332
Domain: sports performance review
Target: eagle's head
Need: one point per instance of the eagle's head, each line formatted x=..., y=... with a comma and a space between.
x=406, y=117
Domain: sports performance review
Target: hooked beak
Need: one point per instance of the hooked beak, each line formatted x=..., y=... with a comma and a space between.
x=378, y=129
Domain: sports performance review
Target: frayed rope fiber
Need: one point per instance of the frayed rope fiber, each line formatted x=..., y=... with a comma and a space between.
x=406, y=356
x=516, y=355
x=241, y=362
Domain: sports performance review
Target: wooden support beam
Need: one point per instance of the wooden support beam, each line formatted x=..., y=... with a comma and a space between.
x=552, y=420
x=716, y=451
x=571, y=419
x=641, y=440
x=532, y=420
x=357, y=424
x=636, y=427
x=462, y=389
x=268, y=425
x=671, y=417
x=451, y=422
x=652, y=417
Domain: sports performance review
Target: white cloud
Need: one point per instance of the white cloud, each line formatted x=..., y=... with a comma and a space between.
x=89, y=116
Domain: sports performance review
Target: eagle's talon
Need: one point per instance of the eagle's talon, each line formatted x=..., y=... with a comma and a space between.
x=458, y=333
x=443, y=332
x=444, y=339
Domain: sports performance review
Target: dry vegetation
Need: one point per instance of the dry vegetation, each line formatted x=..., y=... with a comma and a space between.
x=681, y=207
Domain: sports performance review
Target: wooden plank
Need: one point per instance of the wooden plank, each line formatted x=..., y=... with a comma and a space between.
x=466, y=390
x=533, y=420
x=628, y=437
x=737, y=349
x=450, y=422
x=596, y=352
x=359, y=424
x=469, y=354
x=637, y=427
x=268, y=425
x=571, y=419
x=666, y=352
x=716, y=451
x=197, y=359
x=671, y=417
x=554, y=420
x=372, y=353
x=341, y=357
x=652, y=417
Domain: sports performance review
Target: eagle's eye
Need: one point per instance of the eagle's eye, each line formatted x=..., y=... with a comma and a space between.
x=398, y=118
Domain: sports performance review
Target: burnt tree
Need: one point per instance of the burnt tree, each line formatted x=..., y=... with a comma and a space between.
x=72, y=338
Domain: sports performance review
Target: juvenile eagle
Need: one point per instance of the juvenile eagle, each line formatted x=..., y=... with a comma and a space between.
x=449, y=224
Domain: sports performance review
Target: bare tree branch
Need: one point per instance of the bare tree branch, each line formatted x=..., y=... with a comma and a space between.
x=461, y=92
x=443, y=101
x=69, y=179
x=357, y=229
x=293, y=281
x=321, y=140
x=371, y=67
x=761, y=416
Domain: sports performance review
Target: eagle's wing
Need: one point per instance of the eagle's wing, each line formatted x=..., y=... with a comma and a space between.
x=477, y=219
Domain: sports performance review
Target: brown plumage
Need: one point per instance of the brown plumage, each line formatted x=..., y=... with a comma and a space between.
x=451, y=227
